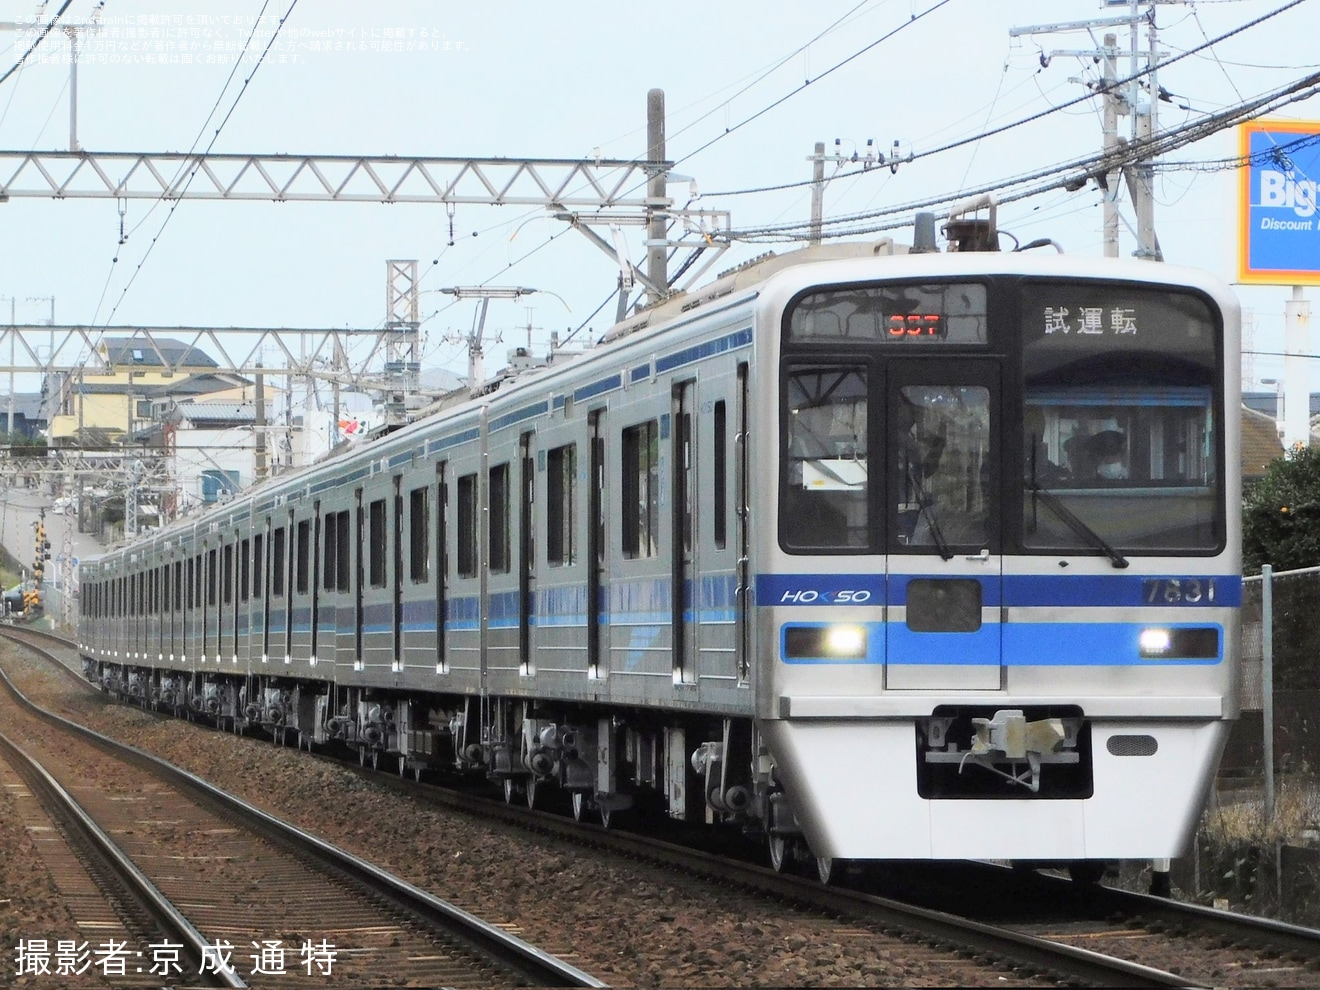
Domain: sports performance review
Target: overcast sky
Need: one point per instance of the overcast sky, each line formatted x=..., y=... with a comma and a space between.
x=570, y=79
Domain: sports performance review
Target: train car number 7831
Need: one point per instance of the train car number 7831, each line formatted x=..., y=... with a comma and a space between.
x=1178, y=591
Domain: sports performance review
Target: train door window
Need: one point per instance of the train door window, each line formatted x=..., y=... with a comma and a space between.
x=825, y=500
x=343, y=556
x=303, y=559
x=227, y=574
x=467, y=526
x=561, y=506
x=501, y=555
x=165, y=598
x=179, y=600
x=379, y=544
x=720, y=500
x=258, y=563
x=940, y=453
x=244, y=569
x=212, y=583
x=641, y=490
x=330, y=550
x=277, y=551
x=527, y=504
x=419, y=553
x=684, y=469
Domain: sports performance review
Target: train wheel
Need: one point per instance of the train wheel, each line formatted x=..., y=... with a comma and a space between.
x=1086, y=872
x=531, y=792
x=781, y=853
x=579, y=805
x=829, y=870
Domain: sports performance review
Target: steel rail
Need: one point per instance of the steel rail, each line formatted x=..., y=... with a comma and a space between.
x=538, y=967
x=61, y=805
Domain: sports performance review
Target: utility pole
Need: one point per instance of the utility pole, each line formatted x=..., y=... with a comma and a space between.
x=657, y=235
x=1139, y=177
x=817, y=191
x=818, y=160
x=72, y=31
x=1114, y=105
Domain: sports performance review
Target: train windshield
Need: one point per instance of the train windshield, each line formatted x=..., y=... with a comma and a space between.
x=1119, y=430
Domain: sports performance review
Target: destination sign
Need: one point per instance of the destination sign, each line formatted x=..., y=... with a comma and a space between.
x=1064, y=321
x=908, y=314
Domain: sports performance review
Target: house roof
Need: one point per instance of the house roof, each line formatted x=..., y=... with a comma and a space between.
x=139, y=351
x=201, y=384
x=1260, y=443
x=215, y=412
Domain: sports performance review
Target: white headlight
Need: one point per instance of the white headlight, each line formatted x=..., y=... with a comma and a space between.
x=1153, y=642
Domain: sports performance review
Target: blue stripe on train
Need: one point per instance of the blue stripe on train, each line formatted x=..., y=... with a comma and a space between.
x=1018, y=644
x=1019, y=590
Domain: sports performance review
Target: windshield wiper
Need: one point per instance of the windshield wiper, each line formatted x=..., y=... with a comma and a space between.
x=927, y=504
x=1075, y=524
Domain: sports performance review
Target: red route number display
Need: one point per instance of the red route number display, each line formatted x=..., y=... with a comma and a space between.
x=916, y=325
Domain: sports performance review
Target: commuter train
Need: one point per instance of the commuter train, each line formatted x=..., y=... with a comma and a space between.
x=879, y=553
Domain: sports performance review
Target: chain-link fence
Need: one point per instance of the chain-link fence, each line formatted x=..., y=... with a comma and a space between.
x=1258, y=845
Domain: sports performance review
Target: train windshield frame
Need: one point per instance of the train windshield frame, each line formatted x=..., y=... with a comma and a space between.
x=1051, y=415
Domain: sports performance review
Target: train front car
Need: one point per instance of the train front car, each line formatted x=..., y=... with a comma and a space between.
x=999, y=608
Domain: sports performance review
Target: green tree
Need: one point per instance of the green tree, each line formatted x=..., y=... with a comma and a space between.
x=1281, y=514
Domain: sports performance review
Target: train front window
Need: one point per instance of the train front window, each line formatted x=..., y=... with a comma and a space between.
x=1119, y=425
x=825, y=500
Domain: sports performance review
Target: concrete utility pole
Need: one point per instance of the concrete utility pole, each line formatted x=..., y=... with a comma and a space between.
x=1141, y=106
x=1114, y=105
x=657, y=199
x=818, y=160
x=817, y=191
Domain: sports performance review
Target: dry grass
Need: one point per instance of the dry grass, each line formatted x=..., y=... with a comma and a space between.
x=1240, y=817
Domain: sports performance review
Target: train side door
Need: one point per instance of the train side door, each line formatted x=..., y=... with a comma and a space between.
x=944, y=565
x=683, y=543
x=597, y=548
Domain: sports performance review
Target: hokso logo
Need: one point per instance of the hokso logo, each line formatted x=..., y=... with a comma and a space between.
x=814, y=596
x=1280, y=191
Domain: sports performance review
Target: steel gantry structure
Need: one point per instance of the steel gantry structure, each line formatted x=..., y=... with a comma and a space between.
x=586, y=194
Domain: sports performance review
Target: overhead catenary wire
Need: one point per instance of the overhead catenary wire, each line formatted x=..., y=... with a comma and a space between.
x=1032, y=118
x=214, y=137
x=39, y=39
x=1072, y=174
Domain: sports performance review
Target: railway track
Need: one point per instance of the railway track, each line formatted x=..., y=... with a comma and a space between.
x=284, y=907
x=1132, y=945
x=111, y=902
